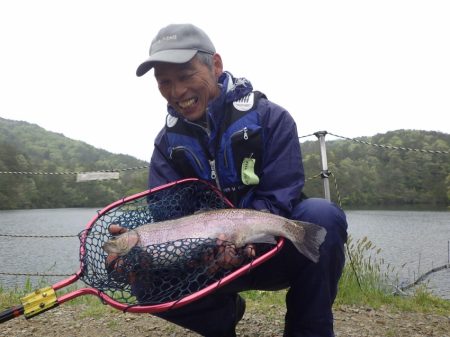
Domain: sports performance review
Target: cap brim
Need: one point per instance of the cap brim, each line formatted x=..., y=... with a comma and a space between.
x=168, y=56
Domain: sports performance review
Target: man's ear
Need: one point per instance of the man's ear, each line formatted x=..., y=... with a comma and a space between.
x=218, y=65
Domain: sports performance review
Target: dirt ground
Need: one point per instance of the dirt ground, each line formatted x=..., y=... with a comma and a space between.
x=72, y=320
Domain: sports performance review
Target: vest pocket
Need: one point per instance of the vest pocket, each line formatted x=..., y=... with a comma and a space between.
x=186, y=162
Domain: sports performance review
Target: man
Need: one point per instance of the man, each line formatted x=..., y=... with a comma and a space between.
x=218, y=129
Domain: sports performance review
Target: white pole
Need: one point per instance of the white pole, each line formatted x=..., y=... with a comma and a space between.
x=323, y=154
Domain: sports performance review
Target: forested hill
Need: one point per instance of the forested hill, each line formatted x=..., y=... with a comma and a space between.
x=366, y=175
x=385, y=169
x=26, y=147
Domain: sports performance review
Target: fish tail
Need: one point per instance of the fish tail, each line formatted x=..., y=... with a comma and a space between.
x=313, y=238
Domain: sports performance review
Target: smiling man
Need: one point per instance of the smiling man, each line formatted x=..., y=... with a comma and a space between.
x=220, y=130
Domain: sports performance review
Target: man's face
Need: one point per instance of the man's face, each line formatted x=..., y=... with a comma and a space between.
x=188, y=87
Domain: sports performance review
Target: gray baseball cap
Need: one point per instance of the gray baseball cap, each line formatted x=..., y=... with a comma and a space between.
x=176, y=43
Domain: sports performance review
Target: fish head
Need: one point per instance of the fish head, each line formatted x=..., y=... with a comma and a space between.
x=122, y=244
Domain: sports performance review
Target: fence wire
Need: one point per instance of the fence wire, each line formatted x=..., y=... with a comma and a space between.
x=390, y=147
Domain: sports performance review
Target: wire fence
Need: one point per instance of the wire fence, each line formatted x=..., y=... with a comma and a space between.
x=390, y=147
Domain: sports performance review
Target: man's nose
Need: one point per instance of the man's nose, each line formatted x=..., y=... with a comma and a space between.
x=178, y=89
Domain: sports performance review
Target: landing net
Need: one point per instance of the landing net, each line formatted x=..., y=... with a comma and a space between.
x=159, y=273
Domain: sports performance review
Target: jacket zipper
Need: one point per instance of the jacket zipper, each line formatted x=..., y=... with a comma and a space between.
x=245, y=133
x=214, y=176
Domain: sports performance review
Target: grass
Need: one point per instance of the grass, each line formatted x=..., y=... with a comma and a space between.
x=366, y=281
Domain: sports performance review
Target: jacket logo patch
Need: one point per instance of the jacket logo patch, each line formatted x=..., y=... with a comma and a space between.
x=171, y=121
x=245, y=103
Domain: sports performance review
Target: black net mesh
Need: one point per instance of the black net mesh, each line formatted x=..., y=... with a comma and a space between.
x=159, y=273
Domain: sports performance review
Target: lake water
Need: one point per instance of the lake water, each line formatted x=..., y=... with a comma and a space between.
x=411, y=241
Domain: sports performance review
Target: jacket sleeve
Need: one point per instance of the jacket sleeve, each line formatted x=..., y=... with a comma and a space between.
x=161, y=170
x=282, y=177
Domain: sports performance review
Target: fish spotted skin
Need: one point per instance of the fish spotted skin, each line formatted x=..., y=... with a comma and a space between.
x=238, y=226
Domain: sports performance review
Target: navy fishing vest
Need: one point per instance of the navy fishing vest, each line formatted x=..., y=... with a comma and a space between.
x=231, y=156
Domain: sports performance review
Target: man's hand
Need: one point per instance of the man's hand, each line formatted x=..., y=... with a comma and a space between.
x=111, y=259
x=227, y=256
x=114, y=229
x=114, y=263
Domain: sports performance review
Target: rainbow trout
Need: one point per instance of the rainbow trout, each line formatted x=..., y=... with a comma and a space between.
x=238, y=226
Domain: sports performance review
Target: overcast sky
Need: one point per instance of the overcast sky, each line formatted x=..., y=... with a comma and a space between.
x=353, y=68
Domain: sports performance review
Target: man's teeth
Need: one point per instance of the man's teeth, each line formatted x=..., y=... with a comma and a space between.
x=187, y=103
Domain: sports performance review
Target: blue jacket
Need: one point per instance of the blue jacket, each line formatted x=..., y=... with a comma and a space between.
x=250, y=149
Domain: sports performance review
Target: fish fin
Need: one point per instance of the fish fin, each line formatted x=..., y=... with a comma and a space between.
x=314, y=237
x=261, y=238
